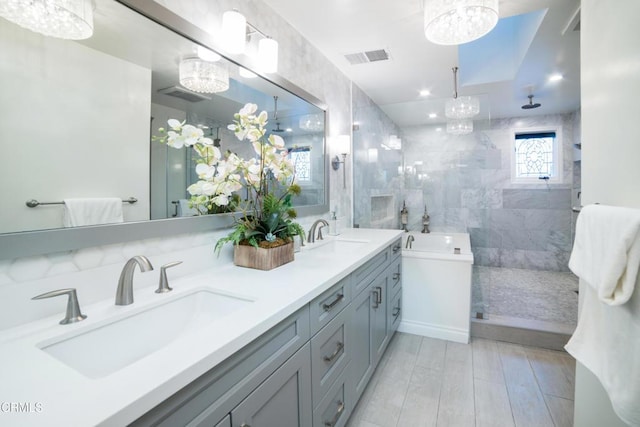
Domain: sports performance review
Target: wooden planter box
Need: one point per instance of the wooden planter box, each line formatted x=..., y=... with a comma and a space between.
x=262, y=259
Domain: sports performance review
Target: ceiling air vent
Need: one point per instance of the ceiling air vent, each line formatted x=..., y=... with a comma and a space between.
x=182, y=93
x=368, y=56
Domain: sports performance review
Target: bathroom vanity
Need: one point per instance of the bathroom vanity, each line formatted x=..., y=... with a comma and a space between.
x=230, y=346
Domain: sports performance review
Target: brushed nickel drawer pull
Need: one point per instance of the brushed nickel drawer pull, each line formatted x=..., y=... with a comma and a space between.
x=396, y=276
x=244, y=425
x=379, y=293
x=376, y=304
x=396, y=248
x=396, y=311
x=337, y=351
x=335, y=302
x=335, y=419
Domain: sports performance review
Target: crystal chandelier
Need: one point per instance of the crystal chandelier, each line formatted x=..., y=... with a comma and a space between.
x=459, y=127
x=311, y=122
x=65, y=19
x=203, y=76
x=460, y=109
x=450, y=22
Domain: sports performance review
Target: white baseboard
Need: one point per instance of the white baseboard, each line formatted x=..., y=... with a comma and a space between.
x=434, y=331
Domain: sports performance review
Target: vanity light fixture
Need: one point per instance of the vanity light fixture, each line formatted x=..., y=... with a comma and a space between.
x=425, y=92
x=234, y=30
x=237, y=32
x=203, y=76
x=452, y=22
x=342, y=144
x=64, y=19
x=433, y=115
x=555, y=77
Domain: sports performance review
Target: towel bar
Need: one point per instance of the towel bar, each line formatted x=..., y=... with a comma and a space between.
x=34, y=203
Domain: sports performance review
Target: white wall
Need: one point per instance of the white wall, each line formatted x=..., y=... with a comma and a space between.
x=610, y=67
x=52, y=108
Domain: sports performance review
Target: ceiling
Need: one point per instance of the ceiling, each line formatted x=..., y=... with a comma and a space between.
x=502, y=68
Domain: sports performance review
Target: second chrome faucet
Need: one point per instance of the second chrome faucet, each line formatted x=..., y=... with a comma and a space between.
x=124, y=293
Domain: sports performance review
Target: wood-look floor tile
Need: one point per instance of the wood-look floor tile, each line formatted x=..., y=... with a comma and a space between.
x=492, y=404
x=486, y=361
x=431, y=354
x=457, y=406
x=420, y=407
x=549, y=370
x=561, y=410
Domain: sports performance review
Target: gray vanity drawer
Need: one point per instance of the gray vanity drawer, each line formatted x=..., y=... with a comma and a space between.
x=225, y=423
x=395, y=276
x=331, y=302
x=213, y=395
x=334, y=410
x=396, y=248
x=394, y=311
x=362, y=276
x=330, y=353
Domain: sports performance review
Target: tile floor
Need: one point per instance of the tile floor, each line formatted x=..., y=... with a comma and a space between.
x=429, y=382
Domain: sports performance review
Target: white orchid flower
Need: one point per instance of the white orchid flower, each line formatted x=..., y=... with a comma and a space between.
x=220, y=200
x=205, y=171
x=262, y=119
x=276, y=141
x=248, y=109
x=175, y=124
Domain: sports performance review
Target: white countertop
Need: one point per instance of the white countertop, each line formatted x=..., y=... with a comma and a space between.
x=53, y=394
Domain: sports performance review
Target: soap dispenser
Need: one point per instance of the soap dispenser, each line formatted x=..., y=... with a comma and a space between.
x=333, y=224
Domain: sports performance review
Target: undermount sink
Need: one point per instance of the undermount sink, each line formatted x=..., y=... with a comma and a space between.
x=334, y=243
x=106, y=349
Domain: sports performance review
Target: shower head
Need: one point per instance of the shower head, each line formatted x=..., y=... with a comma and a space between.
x=277, y=129
x=531, y=105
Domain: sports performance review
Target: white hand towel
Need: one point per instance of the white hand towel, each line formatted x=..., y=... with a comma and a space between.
x=606, y=251
x=78, y=212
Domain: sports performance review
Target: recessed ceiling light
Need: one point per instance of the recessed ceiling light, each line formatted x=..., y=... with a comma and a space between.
x=432, y=115
x=425, y=92
x=438, y=129
x=289, y=130
x=555, y=77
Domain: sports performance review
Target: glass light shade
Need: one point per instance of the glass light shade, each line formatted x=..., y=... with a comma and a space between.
x=342, y=144
x=462, y=107
x=451, y=22
x=234, y=31
x=459, y=127
x=64, y=19
x=268, y=55
x=203, y=76
x=311, y=122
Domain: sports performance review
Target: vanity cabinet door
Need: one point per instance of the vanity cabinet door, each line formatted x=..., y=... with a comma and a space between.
x=283, y=400
x=379, y=320
x=362, y=359
x=226, y=422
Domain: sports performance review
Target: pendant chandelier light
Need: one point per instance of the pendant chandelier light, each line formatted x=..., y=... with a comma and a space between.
x=451, y=22
x=311, y=122
x=460, y=110
x=203, y=76
x=460, y=107
x=460, y=127
x=64, y=19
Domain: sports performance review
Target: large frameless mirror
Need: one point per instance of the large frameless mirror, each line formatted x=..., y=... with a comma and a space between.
x=79, y=120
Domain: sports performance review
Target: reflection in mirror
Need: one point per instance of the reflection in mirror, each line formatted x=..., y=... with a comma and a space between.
x=79, y=117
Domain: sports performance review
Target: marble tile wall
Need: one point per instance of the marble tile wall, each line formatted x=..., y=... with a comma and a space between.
x=465, y=183
x=377, y=182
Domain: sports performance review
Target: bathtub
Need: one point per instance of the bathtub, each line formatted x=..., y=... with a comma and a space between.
x=436, y=286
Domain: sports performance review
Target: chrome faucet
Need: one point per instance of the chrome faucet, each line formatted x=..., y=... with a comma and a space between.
x=409, y=244
x=124, y=294
x=312, y=231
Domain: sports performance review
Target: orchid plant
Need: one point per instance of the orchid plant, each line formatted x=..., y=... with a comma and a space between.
x=267, y=213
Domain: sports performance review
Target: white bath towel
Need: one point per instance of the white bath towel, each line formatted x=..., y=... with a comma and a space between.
x=93, y=211
x=606, y=251
x=607, y=342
